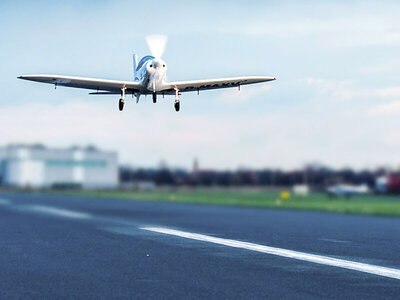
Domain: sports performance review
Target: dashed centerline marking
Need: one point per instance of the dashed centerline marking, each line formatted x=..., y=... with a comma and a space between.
x=4, y=201
x=319, y=259
x=60, y=212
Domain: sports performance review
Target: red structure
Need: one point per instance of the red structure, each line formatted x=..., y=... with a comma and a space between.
x=393, y=184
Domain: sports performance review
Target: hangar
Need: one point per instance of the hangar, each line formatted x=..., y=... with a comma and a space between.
x=36, y=166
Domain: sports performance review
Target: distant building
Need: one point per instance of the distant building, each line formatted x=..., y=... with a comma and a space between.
x=381, y=184
x=37, y=166
x=301, y=189
x=388, y=184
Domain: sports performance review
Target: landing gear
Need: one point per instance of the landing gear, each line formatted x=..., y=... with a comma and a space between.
x=154, y=98
x=121, y=104
x=122, y=99
x=177, y=106
x=177, y=103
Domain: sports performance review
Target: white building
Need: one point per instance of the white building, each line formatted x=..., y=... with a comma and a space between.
x=37, y=166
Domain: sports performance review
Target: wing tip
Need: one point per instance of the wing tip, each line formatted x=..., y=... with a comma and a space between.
x=25, y=76
x=270, y=78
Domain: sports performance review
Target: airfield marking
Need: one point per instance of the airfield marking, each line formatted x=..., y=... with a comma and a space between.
x=319, y=259
x=5, y=201
x=60, y=212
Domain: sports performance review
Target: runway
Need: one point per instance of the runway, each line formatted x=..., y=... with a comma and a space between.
x=73, y=247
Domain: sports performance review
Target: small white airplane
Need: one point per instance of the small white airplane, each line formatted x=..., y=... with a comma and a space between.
x=149, y=78
x=348, y=190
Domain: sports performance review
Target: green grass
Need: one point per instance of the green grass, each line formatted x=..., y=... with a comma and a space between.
x=369, y=204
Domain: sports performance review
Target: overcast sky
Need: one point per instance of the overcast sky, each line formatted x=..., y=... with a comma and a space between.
x=336, y=99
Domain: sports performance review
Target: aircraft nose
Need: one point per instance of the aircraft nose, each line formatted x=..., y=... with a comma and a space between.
x=156, y=63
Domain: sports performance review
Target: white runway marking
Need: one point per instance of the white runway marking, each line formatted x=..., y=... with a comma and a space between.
x=57, y=211
x=319, y=259
x=4, y=201
x=334, y=241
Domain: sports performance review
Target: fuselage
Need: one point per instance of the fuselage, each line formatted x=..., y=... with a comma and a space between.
x=150, y=72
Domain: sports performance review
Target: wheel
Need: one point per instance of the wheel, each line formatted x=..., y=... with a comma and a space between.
x=154, y=97
x=177, y=106
x=121, y=104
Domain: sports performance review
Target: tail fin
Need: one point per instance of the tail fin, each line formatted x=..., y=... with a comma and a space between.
x=135, y=63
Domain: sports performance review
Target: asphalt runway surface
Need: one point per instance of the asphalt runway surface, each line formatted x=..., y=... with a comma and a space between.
x=68, y=247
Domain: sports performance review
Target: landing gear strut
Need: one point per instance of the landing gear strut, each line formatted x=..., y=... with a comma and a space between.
x=122, y=99
x=177, y=103
x=154, y=97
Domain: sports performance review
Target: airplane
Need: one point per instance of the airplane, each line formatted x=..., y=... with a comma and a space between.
x=347, y=190
x=149, y=78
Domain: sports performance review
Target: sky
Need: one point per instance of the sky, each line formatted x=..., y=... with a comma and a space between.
x=336, y=99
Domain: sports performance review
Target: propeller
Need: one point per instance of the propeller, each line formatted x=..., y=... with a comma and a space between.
x=156, y=44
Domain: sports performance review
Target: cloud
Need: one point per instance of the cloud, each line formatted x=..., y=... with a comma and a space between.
x=145, y=133
x=392, y=65
x=386, y=109
x=294, y=40
x=141, y=134
x=388, y=92
x=349, y=30
x=342, y=90
x=334, y=90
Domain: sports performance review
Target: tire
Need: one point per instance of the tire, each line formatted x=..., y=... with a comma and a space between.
x=154, y=98
x=177, y=106
x=121, y=105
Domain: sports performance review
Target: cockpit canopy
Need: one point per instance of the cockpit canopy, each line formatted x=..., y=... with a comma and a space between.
x=144, y=60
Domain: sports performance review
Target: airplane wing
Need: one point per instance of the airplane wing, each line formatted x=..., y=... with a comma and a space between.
x=210, y=84
x=101, y=85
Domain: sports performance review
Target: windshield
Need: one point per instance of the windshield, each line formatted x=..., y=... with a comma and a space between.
x=143, y=60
